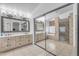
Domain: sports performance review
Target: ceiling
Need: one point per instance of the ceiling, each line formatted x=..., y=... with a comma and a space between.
x=35, y=9
x=45, y=7
x=25, y=7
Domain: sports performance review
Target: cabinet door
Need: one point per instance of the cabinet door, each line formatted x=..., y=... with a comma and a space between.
x=4, y=44
x=22, y=40
x=11, y=42
x=26, y=39
x=17, y=41
x=29, y=39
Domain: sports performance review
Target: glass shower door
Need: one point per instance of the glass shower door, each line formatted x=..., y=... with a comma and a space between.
x=58, y=32
x=40, y=32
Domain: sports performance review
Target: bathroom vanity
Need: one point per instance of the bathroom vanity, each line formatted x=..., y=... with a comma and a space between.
x=11, y=42
x=14, y=33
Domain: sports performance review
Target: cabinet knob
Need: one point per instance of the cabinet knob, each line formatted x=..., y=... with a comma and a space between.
x=28, y=40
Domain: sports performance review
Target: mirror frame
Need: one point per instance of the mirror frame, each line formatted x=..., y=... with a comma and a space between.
x=2, y=30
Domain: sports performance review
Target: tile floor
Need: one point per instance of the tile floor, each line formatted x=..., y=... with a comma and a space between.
x=56, y=47
x=33, y=50
x=30, y=50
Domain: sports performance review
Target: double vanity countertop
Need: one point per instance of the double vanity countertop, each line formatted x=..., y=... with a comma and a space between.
x=14, y=34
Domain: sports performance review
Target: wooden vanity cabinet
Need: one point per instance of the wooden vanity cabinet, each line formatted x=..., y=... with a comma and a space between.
x=7, y=43
x=26, y=39
x=14, y=42
x=11, y=42
x=23, y=39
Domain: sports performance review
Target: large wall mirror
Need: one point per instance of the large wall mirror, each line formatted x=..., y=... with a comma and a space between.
x=25, y=26
x=14, y=25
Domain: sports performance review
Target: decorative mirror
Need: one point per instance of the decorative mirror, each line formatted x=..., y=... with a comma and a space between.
x=14, y=25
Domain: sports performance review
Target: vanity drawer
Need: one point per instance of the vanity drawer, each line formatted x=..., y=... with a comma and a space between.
x=17, y=39
x=17, y=44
